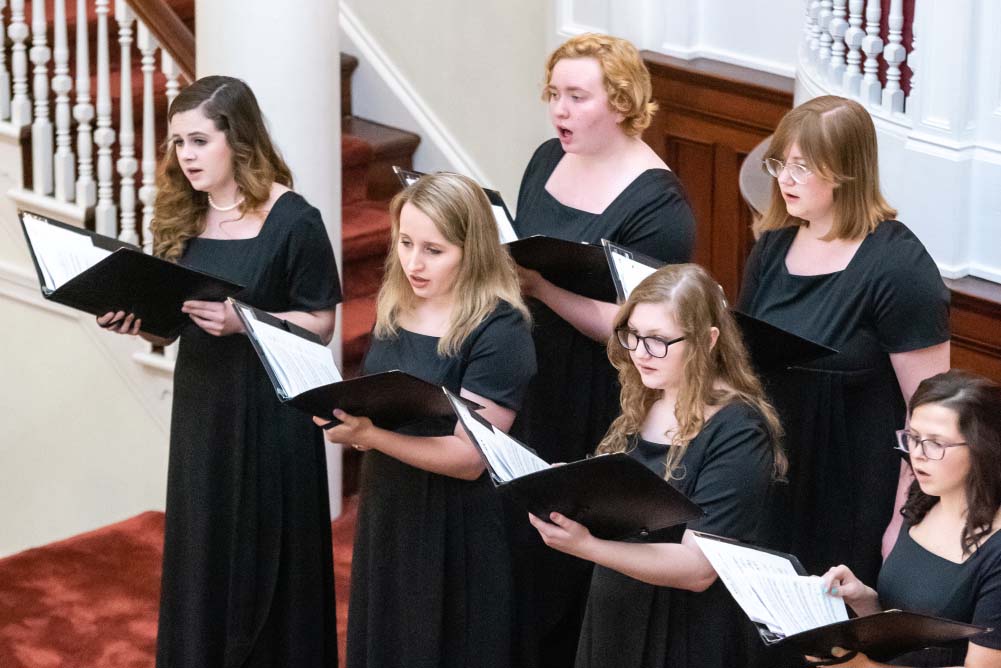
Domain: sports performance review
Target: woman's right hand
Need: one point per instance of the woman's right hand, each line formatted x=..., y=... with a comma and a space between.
x=841, y=582
x=120, y=322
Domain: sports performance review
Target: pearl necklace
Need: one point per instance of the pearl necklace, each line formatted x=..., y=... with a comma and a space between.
x=225, y=208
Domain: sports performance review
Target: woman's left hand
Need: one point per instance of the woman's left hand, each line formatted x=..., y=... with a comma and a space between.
x=352, y=429
x=563, y=534
x=530, y=281
x=216, y=318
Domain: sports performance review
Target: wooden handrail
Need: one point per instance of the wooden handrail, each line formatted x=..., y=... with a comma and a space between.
x=170, y=32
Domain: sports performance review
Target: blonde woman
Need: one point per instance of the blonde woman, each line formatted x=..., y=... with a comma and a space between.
x=832, y=265
x=596, y=180
x=247, y=563
x=430, y=578
x=693, y=412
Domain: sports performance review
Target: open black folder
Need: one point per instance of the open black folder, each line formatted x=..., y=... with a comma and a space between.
x=303, y=372
x=769, y=346
x=575, y=266
x=614, y=496
x=792, y=614
x=97, y=274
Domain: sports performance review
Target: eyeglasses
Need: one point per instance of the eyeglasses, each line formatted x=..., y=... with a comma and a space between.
x=930, y=448
x=797, y=172
x=655, y=346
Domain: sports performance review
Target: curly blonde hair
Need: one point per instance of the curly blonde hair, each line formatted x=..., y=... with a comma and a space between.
x=714, y=375
x=626, y=78
x=461, y=212
x=179, y=209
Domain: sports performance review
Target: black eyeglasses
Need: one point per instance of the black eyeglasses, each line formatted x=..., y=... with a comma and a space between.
x=930, y=448
x=655, y=345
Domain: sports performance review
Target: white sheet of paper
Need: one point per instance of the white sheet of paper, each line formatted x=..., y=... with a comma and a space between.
x=508, y=458
x=631, y=273
x=299, y=365
x=504, y=229
x=61, y=254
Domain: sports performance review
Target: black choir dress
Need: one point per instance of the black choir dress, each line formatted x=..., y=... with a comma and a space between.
x=430, y=576
x=575, y=395
x=916, y=580
x=726, y=470
x=840, y=412
x=247, y=563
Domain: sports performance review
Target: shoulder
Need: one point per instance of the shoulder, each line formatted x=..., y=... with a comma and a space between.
x=548, y=153
x=293, y=214
x=736, y=425
x=502, y=321
x=897, y=255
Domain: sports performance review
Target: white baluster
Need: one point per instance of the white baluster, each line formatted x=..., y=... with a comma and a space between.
x=127, y=165
x=147, y=193
x=173, y=73
x=20, y=106
x=814, y=31
x=894, y=54
x=872, y=45
x=41, y=127
x=853, y=38
x=4, y=74
x=807, y=29
x=824, y=19
x=83, y=112
x=62, y=83
x=104, y=136
x=910, y=59
x=838, y=27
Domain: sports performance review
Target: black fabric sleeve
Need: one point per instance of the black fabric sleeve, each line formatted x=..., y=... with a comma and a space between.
x=752, y=274
x=987, y=609
x=735, y=476
x=662, y=224
x=910, y=300
x=501, y=358
x=310, y=264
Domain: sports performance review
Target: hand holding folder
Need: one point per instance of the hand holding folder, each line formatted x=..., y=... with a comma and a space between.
x=614, y=496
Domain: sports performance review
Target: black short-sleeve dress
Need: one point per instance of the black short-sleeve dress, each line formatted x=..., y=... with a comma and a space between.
x=430, y=576
x=726, y=470
x=840, y=412
x=916, y=580
x=575, y=395
x=247, y=564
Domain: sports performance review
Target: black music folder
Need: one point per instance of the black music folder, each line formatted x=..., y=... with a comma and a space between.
x=769, y=346
x=614, y=496
x=794, y=616
x=96, y=274
x=303, y=372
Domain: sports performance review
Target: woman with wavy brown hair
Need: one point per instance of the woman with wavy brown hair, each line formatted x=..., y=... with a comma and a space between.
x=694, y=412
x=247, y=565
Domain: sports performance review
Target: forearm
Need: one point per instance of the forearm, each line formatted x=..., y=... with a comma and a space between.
x=320, y=323
x=444, y=455
x=662, y=564
x=156, y=340
x=590, y=317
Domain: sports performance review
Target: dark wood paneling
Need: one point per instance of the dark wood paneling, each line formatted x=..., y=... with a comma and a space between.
x=711, y=116
x=976, y=326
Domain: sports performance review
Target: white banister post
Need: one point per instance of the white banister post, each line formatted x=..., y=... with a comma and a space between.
x=20, y=106
x=4, y=74
x=894, y=54
x=807, y=31
x=126, y=165
x=853, y=38
x=814, y=32
x=83, y=113
x=824, y=20
x=41, y=127
x=872, y=45
x=62, y=84
x=104, y=135
x=838, y=27
x=173, y=73
x=147, y=193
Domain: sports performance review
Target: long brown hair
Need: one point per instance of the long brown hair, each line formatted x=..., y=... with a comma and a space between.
x=179, y=209
x=838, y=141
x=461, y=212
x=977, y=403
x=697, y=303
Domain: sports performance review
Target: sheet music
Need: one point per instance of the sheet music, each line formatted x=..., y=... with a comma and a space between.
x=61, y=253
x=299, y=365
x=768, y=589
x=508, y=458
x=504, y=228
x=631, y=273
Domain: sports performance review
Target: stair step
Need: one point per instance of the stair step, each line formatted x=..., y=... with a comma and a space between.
x=348, y=66
x=358, y=318
x=390, y=146
x=365, y=230
x=356, y=156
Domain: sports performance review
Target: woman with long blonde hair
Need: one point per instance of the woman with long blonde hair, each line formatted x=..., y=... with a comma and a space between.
x=247, y=563
x=430, y=574
x=694, y=412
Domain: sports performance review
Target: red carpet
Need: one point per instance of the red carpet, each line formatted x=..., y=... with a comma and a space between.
x=91, y=601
